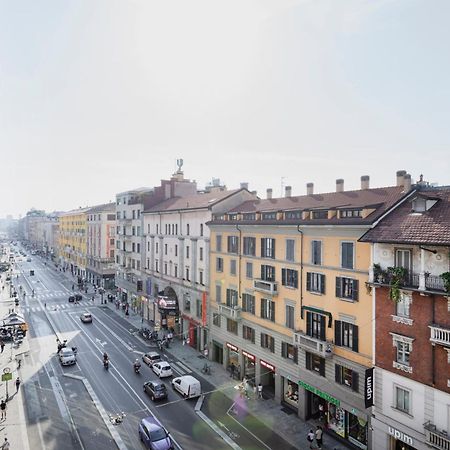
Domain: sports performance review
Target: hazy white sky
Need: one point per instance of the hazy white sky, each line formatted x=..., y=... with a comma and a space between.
x=102, y=96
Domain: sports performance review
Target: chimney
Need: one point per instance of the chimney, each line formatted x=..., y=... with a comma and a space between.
x=269, y=193
x=255, y=193
x=406, y=182
x=287, y=191
x=400, y=175
x=309, y=188
x=244, y=185
x=365, y=182
x=339, y=185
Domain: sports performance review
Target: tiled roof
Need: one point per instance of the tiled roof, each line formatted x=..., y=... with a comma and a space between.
x=402, y=225
x=101, y=208
x=200, y=200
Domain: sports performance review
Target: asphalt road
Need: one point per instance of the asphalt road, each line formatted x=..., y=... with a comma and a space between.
x=66, y=418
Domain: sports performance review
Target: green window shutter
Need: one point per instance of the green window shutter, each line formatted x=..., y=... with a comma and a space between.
x=338, y=286
x=337, y=332
x=355, y=338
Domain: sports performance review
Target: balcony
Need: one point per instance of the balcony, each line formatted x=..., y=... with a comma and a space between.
x=440, y=335
x=267, y=287
x=434, y=283
x=324, y=349
x=231, y=312
x=435, y=438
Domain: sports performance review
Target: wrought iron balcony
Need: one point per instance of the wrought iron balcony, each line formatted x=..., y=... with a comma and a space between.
x=324, y=349
x=434, y=283
x=231, y=312
x=267, y=287
x=440, y=335
x=435, y=438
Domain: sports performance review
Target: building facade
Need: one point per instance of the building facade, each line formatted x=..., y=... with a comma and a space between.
x=100, y=245
x=289, y=307
x=410, y=280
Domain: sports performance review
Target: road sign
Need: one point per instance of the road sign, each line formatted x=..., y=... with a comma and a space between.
x=7, y=377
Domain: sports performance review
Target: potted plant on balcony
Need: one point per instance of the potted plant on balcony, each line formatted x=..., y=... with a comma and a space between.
x=397, y=276
x=377, y=272
x=446, y=278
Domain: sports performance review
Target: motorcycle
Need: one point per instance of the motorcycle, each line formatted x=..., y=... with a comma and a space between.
x=106, y=364
x=137, y=368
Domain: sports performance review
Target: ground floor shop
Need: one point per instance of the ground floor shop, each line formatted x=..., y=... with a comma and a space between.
x=193, y=333
x=392, y=435
x=106, y=281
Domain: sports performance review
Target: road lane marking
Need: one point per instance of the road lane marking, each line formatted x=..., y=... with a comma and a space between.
x=217, y=430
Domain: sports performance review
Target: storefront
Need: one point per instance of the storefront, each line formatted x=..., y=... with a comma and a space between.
x=249, y=367
x=351, y=425
x=217, y=352
x=267, y=378
x=399, y=440
x=290, y=393
x=233, y=358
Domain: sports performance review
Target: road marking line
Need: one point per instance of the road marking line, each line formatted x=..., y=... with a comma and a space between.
x=184, y=367
x=216, y=429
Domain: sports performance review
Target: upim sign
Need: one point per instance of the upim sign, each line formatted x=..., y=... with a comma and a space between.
x=368, y=388
x=400, y=436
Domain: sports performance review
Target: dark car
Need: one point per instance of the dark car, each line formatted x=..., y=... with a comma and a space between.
x=71, y=298
x=156, y=390
x=154, y=435
x=78, y=297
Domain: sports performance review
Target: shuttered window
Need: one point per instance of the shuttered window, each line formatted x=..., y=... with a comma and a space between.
x=315, y=363
x=268, y=248
x=347, y=377
x=347, y=255
x=347, y=288
x=289, y=277
x=289, y=351
x=346, y=335
x=315, y=282
x=315, y=325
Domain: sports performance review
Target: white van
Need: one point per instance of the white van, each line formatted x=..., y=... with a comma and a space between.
x=67, y=357
x=187, y=386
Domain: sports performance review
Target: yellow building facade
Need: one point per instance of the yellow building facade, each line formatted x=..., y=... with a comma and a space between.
x=72, y=241
x=289, y=306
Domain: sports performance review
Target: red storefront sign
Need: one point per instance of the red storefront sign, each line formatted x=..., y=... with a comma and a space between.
x=267, y=365
x=232, y=347
x=204, y=309
x=249, y=356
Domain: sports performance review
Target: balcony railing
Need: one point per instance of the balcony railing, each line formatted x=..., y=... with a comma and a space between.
x=231, y=312
x=267, y=287
x=434, y=283
x=322, y=348
x=435, y=438
x=440, y=335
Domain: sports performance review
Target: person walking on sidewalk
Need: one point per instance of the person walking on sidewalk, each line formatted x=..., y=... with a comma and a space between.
x=260, y=388
x=2, y=345
x=17, y=384
x=319, y=436
x=310, y=438
x=3, y=409
x=5, y=445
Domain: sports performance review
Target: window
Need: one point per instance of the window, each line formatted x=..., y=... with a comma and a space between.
x=402, y=399
x=232, y=267
x=201, y=254
x=200, y=275
x=232, y=298
x=187, y=274
x=289, y=278
x=290, y=317
x=319, y=214
x=346, y=335
x=315, y=282
x=346, y=377
x=290, y=249
x=187, y=251
x=268, y=309
x=138, y=248
x=219, y=264
x=233, y=244
x=201, y=229
x=403, y=352
x=232, y=326
x=176, y=250
x=187, y=229
x=267, y=273
x=268, y=248
x=293, y=214
x=133, y=247
x=350, y=213
x=403, y=258
x=157, y=228
x=289, y=351
x=315, y=325
x=268, y=342
x=165, y=249
x=218, y=293
x=218, y=243
x=269, y=216
x=248, y=333
x=199, y=307
x=249, y=246
x=176, y=228
x=248, y=303
x=315, y=363
x=347, y=255
x=165, y=268
x=175, y=267
x=157, y=266
x=249, y=270
x=403, y=305
x=316, y=253
x=216, y=319
x=249, y=216
x=347, y=288
x=156, y=247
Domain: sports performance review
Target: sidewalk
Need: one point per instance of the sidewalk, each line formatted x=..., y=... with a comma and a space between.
x=14, y=427
x=271, y=413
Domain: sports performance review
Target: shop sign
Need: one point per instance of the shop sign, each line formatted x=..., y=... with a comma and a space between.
x=267, y=365
x=248, y=355
x=319, y=393
x=368, y=388
x=400, y=436
x=166, y=303
x=232, y=347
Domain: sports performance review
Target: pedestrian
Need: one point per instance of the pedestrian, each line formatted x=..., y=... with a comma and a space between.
x=310, y=438
x=73, y=287
x=17, y=384
x=232, y=367
x=5, y=445
x=3, y=409
x=321, y=415
x=45, y=305
x=319, y=436
x=260, y=388
x=2, y=345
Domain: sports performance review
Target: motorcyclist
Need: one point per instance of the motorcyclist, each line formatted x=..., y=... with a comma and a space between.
x=137, y=365
x=105, y=357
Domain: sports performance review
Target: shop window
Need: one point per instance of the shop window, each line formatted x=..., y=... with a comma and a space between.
x=216, y=319
x=248, y=333
x=289, y=351
x=315, y=363
x=290, y=391
x=347, y=288
x=357, y=430
x=248, y=303
x=315, y=282
x=347, y=377
x=289, y=278
x=232, y=326
x=346, y=335
x=219, y=264
x=402, y=399
x=336, y=419
x=267, y=342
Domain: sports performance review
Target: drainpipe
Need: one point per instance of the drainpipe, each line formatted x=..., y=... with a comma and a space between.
x=240, y=258
x=301, y=271
x=433, y=346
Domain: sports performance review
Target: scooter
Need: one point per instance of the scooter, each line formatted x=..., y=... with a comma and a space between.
x=137, y=368
x=106, y=364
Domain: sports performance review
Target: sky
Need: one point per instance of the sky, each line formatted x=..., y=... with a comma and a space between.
x=102, y=96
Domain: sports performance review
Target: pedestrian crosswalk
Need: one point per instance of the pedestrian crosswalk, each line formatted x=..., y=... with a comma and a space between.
x=179, y=367
x=52, y=307
x=52, y=294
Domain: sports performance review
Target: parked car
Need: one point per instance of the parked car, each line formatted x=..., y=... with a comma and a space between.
x=162, y=369
x=154, y=435
x=156, y=390
x=71, y=298
x=67, y=357
x=86, y=317
x=187, y=386
x=150, y=358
